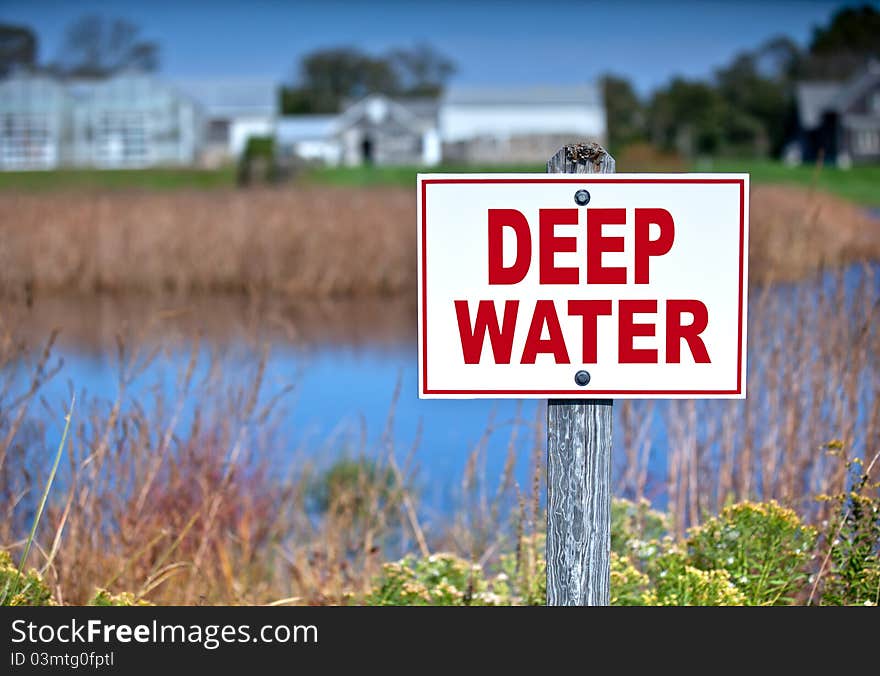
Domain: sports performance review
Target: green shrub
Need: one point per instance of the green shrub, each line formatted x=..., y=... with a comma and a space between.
x=354, y=487
x=438, y=580
x=763, y=547
x=21, y=589
x=694, y=587
x=257, y=163
x=629, y=586
x=635, y=523
x=522, y=579
x=750, y=554
x=104, y=598
x=853, y=540
x=675, y=581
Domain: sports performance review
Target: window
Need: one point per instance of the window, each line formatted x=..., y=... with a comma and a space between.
x=120, y=139
x=867, y=142
x=26, y=142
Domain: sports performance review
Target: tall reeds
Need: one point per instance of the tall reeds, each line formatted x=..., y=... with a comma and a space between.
x=314, y=243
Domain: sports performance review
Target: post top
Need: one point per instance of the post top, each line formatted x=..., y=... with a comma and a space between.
x=582, y=153
x=580, y=158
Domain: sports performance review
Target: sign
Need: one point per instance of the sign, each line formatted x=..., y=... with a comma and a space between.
x=582, y=286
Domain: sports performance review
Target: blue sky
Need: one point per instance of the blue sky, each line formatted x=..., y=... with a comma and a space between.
x=493, y=42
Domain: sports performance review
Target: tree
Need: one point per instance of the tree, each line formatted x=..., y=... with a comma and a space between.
x=845, y=45
x=758, y=87
x=328, y=77
x=746, y=108
x=421, y=70
x=624, y=111
x=95, y=46
x=18, y=48
x=688, y=117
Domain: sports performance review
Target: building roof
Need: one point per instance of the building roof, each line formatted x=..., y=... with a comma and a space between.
x=377, y=109
x=233, y=97
x=858, y=85
x=816, y=98
x=582, y=94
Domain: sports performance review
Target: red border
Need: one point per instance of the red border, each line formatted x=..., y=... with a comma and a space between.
x=581, y=393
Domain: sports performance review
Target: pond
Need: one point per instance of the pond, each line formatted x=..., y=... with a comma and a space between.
x=352, y=367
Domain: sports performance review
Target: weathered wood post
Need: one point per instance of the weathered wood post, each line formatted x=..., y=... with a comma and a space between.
x=579, y=462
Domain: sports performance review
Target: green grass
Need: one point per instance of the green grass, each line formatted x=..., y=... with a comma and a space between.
x=84, y=179
x=402, y=176
x=861, y=184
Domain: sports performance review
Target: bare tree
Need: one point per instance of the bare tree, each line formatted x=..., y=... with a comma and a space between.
x=98, y=46
x=421, y=70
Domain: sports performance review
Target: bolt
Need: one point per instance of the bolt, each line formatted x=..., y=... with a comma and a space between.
x=582, y=197
x=582, y=378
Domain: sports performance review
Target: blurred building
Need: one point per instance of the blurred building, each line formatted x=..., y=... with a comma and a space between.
x=375, y=130
x=485, y=126
x=137, y=120
x=127, y=121
x=234, y=109
x=308, y=139
x=839, y=120
x=518, y=124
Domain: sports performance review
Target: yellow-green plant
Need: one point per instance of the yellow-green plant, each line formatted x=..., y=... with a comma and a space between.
x=633, y=524
x=436, y=580
x=850, y=570
x=691, y=586
x=523, y=573
x=103, y=597
x=763, y=547
x=34, y=591
x=30, y=589
x=629, y=586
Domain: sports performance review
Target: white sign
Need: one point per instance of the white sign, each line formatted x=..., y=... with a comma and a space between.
x=640, y=281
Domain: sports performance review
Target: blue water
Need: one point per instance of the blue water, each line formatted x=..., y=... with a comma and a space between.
x=334, y=401
x=342, y=397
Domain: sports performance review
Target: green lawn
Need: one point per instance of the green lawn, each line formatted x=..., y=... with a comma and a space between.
x=404, y=176
x=859, y=184
x=150, y=179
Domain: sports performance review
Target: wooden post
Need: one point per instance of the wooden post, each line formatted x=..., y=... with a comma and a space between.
x=579, y=462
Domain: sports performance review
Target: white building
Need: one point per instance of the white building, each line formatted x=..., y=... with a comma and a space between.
x=234, y=109
x=518, y=124
x=375, y=130
x=128, y=121
x=468, y=125
x=136, y=120
x=32, y=122
x=311, y=138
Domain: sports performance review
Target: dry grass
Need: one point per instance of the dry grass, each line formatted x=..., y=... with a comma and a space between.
x=192, y=509
x=310, y=243
x=813, y=377
x=795, y=231
x=318, y=242
x=187, y=508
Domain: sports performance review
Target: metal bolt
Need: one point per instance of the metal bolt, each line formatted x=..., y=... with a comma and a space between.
x=582, y=197
x=582, y=378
